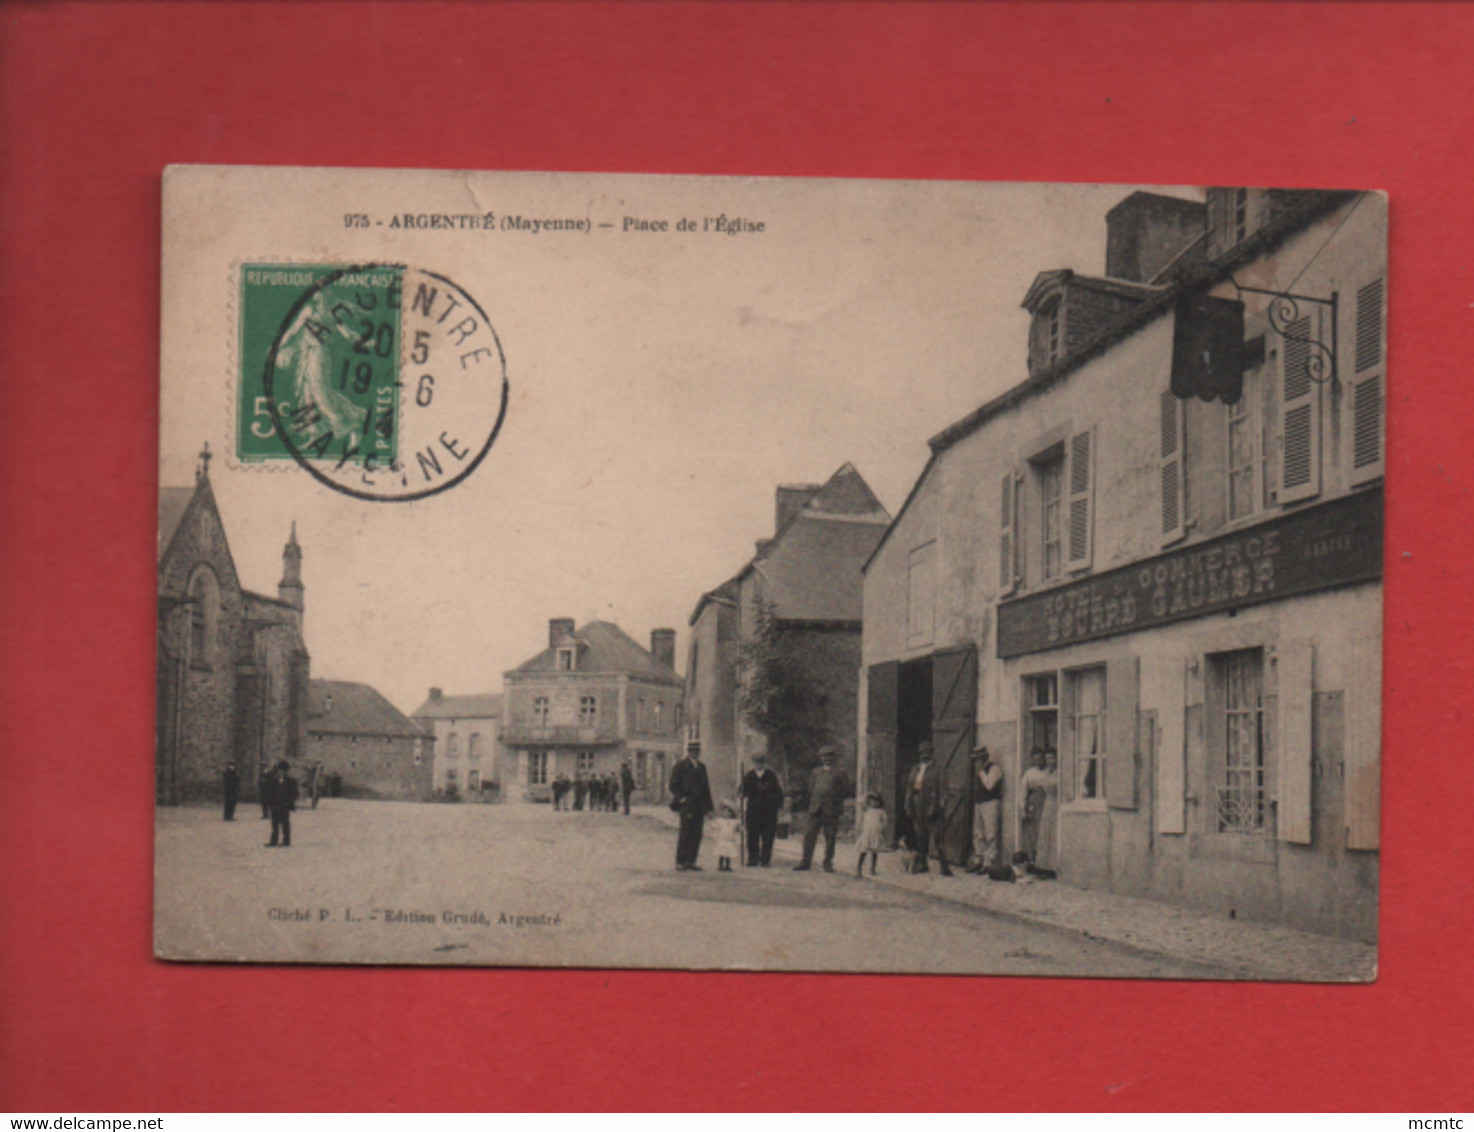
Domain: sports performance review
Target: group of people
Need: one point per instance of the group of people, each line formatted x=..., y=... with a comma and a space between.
x=278, y=792
x=594, y=792
x=924, y=814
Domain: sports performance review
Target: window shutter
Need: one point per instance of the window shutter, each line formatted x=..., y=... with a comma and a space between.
x=1299, y=412
x=1170, y=774
x=1080, y=518
x=1007, y=537
x=1122, y=701
x=1363, y=744
x=1294, y=695
x=1174, y=524
x=1368, y=395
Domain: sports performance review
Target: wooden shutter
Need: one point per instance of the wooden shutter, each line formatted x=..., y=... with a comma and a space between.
x=1008, y=536
x=1363, y=743
x=1170, y=790
x=1080, y=502
x=1300, y=399
x=1174, y=524
x=1368, y=390
x=1122, y=701
x=1295, y=692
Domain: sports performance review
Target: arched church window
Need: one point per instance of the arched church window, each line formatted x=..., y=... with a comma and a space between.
x=204, y=617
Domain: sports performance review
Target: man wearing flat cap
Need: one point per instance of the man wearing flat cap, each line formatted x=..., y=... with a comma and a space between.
x=924, y=808
x=828, y=789
x=987, y=808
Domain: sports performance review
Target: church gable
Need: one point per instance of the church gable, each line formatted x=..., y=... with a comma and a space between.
x=198, y=538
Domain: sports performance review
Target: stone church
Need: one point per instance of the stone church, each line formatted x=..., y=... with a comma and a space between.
x=232, y=666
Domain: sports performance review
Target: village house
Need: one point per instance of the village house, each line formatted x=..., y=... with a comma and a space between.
x=1159, y=555
x=589, y=702
x=232, y=666
x=362, y=746
x=774, y=652
x=470, y=760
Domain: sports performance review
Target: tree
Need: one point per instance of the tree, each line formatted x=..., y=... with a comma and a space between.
x=779, y=698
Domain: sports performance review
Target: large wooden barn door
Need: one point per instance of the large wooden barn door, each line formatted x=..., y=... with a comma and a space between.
x=882, y=710
x=954, y=702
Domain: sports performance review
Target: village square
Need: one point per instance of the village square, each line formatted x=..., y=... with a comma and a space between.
x=1099, y=696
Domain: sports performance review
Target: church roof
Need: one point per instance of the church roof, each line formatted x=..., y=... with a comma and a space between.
x=605, y=648
x=488, y=705
x=342, y=707
x=173, y=502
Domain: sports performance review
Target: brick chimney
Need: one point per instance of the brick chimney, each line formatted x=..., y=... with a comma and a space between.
x=558, y=628
x=436, y=695
x=791, y=498
x=663, y=646
x=1147, y=231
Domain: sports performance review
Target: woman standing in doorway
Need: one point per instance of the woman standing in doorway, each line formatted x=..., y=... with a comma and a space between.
x=1045, y=856
x=1034, y=781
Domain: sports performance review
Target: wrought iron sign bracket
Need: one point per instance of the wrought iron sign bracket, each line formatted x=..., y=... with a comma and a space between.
x=1284, y=312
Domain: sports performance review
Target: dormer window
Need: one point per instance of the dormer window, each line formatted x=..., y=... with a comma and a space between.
x=1049, y=331
x=566, y=658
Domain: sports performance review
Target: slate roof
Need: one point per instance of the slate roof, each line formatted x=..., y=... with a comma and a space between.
x=356, y=709
x=173, y=501
x=606, y=648
x=488, y=705
x=811, y=567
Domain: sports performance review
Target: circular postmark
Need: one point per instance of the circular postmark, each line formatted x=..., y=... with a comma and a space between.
x=386, y=382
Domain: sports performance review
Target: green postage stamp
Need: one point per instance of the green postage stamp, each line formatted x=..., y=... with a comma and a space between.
x=384, y=381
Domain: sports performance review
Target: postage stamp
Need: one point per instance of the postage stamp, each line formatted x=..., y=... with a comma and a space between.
x=383, y=381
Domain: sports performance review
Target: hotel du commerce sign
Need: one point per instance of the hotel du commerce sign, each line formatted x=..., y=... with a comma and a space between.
x=1331, y=544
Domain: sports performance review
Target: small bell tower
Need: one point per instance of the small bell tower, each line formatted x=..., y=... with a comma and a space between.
x=290, y=588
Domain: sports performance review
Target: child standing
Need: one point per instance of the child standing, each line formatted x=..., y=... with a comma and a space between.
x=872, y=833
x=724, y=836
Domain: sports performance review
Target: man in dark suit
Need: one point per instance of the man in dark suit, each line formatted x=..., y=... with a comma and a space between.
x=232, y=786
x=764, y=796
x=924, y=808
x=828, y=789
x=282, y=798
x=690, y=792
x=626, y=784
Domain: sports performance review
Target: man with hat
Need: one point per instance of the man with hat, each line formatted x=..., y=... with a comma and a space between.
x=828, y=789
x=282, y=797
x=690, y=797
x=763, y=794
x=987, y=808
x=924, y=808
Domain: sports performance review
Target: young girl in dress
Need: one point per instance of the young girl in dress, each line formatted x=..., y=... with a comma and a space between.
x=871, y=839
x=724, y=836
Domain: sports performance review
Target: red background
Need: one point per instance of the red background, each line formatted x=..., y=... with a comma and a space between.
x=96, y=98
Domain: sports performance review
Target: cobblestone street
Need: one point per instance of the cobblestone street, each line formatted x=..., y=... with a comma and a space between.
x=523, y=885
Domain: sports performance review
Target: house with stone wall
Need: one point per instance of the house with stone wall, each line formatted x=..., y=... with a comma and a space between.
x=1158, y=556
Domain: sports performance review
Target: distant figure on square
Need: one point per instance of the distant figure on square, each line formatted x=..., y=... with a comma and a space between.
x=987, y=810
x=763, y=794
x=828, y=789
x=282, y=800
x=871, y=838
x=626, y=784
x=231, y=782
x=924, y=808
x=690, y=797
x=726, y=836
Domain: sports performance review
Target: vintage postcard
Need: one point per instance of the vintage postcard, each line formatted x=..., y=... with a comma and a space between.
x=684, y=572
